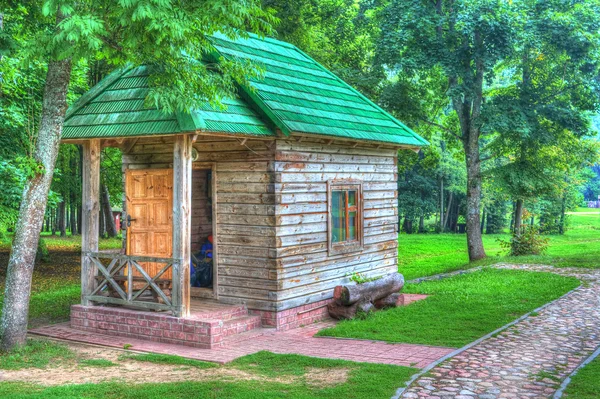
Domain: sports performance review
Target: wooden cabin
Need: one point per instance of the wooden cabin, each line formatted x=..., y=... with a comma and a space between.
x=296, y=182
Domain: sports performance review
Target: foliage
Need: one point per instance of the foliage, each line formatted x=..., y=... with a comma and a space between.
x=42, y=254
x=529, y=241
x=360, y=278
x=459, y=309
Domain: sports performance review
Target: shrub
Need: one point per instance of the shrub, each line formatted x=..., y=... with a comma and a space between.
x=42, y=251
x=527, y=242
x=359, y=278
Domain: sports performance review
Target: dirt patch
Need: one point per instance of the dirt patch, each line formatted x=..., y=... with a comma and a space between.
x=322, y=378
x=137, y=372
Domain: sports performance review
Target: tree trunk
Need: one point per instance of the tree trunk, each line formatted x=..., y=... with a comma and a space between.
x=53, y=220
x=563, y=210
x=518, y=216
x=102, y=224
x=72, y=212
x=421, y=224
x=445, y=225
x=442, y=222
x=109, y=220
x=483, y=219
x=15, y=310
x=62, y=218
x=474, y=237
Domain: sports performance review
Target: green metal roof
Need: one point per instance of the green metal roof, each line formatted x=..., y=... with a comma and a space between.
x=297, y=94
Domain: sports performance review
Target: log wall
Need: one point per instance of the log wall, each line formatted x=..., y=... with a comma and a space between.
x=306, y=271
x=271, y=214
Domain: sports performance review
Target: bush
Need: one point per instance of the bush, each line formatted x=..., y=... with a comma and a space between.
x=527, y=242
x=42, y=251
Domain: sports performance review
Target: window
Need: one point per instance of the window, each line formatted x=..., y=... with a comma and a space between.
x=345, y=216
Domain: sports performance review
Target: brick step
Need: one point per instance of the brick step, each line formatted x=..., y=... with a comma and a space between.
x=240, y=325
x=245, y=336
x=220, y=313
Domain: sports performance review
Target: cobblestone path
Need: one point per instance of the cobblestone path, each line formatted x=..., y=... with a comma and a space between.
x=529, y=359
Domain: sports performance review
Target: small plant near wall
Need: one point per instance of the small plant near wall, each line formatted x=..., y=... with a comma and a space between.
x=360, y=278
x=528, y=241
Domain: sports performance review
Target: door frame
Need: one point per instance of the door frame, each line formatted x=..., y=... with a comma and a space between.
x=212, y=166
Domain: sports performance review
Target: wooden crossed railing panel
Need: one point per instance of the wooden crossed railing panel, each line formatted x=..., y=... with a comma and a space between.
x=114, y=269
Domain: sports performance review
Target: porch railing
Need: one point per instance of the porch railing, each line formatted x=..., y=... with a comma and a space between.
x=122, y=280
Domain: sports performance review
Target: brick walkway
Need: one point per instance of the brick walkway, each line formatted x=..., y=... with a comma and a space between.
x=528, y=359
x=299, y=341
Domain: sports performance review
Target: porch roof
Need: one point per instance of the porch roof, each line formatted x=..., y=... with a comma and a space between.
x=296, y=94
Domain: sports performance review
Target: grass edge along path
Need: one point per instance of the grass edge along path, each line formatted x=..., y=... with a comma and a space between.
x=584, y=381
x=459, y=309
x=284, y=376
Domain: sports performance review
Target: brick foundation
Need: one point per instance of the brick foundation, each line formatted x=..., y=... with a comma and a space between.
x=294, y=317
x=204, y=334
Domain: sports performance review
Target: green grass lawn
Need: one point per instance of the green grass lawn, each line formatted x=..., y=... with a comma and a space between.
x=428, y=254
x=266, y=375
x=586, y=383
x=459, y=309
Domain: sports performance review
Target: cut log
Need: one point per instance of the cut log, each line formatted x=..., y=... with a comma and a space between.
x=390, y=301
x=342, y=312
x=369, y=292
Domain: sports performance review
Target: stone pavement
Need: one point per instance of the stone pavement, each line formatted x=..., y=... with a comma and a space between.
x=299, y=341
x=530, y=358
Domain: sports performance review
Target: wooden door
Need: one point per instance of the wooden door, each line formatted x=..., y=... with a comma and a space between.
x=149, y=196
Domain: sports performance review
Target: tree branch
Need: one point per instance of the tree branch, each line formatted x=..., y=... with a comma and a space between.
x=444, y=128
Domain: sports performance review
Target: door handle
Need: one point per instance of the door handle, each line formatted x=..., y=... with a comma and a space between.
x=129, y=220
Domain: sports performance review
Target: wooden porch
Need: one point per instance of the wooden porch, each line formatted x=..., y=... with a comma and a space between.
x=142, y=282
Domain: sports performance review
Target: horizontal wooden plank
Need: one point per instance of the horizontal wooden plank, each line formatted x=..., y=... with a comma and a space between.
x=241, y=198
x=248, y=282
x=249, y=272
x=250, y=241
x=246, y=209
x=287, y=220
x=364, y=268
x=307, y=146
x=321, y=187
x=249, y=220
x=301, y=260
x=245, y=230
x=329, y=263
x=245, y=177
x=243, y=250
x=301, y=239
x=297, y=156
x=309, y=167
x=250, y=188
x=289, y=177
x=256, y=166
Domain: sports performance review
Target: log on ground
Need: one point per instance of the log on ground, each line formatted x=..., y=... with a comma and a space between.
x=370, y=291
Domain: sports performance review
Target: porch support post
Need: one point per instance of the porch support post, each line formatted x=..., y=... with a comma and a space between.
x=182, y=218
x=90, y=215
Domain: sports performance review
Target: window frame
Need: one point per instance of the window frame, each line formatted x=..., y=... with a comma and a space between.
x=345, y=246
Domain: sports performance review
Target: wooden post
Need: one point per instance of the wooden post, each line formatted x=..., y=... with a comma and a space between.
x=182, y=215
x=90, y=212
